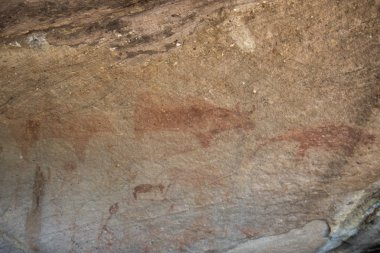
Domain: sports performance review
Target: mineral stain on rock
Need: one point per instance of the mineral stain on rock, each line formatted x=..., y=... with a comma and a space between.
x=196, y=116
x=74, y=129
x=33, y=219
x=330, y=137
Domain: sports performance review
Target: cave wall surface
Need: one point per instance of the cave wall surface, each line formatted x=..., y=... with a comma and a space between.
x=189, y=126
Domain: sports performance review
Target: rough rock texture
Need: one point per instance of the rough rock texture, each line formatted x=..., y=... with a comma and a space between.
x=307, y=239
x=189, y=126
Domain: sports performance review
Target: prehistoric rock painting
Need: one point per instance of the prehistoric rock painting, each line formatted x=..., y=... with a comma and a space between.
x=75, y=129
x=106, y=236
x=196, y=116
x=249, y=232
x=146, y=188
x=341, y=138
x=33, y=220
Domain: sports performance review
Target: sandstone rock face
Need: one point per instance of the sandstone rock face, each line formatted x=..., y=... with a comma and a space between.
x=307, y=239
x=189, y=126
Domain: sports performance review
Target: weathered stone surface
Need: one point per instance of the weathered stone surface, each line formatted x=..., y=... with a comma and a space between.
x=366, y=238
x=307, y=239
x=189, y=126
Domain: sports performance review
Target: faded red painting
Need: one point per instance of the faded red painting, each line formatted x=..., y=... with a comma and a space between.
x=330, y=137
x=74, y=129
x=196, y=116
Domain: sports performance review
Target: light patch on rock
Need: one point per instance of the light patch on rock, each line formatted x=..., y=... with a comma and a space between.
x=242, y=36
x=15, y=44
x=350, y=201
x=363, y=204
x=37, y=40
x=307, y=239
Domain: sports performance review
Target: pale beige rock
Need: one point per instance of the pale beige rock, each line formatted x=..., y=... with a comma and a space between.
x=307, y=239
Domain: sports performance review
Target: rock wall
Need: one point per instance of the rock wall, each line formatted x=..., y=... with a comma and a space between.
x=189, y=126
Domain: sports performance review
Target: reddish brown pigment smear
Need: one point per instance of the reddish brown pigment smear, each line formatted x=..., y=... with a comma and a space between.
x=106, y=236
x=144, y=188
x=114, y=208
x=70, y=166
x=249, y=232
x=330, y=137
x=33, y=219
x=74, y=129
x=195, y=116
